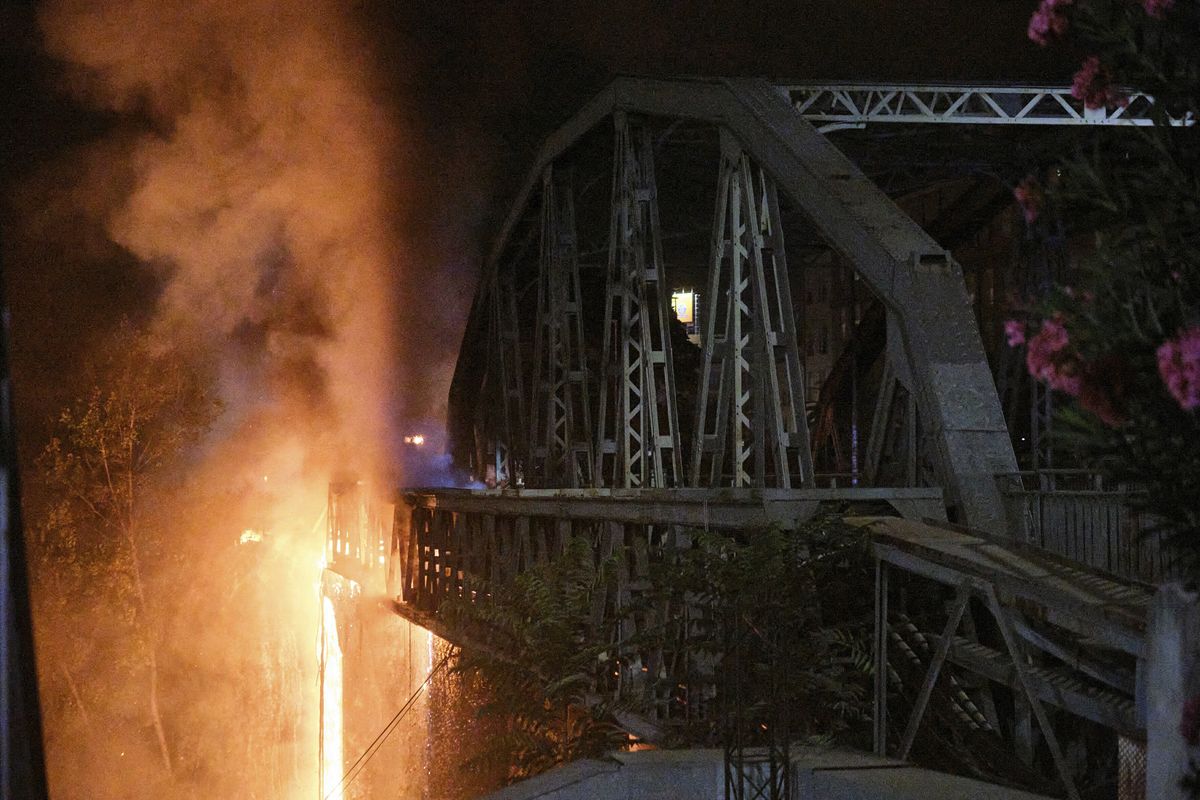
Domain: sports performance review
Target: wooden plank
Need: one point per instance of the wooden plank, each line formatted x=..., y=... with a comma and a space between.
x=1091, y=621
x=1064, y=586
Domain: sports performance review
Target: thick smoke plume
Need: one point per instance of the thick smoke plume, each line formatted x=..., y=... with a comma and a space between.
x=252, y=172
x=260, y=192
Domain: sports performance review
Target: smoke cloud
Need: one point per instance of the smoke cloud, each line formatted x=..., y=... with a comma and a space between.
x=250, y=182
x=261, y=195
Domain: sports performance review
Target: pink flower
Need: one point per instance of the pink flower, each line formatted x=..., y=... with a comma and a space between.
x=1093, y=85
x=1049, y=20
x=1179, y=366
x=1189, y=721
x=1030, y=198
x=1157, y=8
x=1054, y=334
x=1046, y=360
x=1014, y=329
x=1065, y=381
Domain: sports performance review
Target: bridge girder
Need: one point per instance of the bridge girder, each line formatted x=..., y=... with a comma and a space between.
x=916, y=279
x=836, y=106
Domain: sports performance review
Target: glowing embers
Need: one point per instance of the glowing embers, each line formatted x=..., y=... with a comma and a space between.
x=250, y=536
x=331, y=742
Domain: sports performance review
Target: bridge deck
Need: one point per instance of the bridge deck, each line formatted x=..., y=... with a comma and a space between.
x=1084, y=629
x=696, y=508
x=1069, y=636
x=1089, y=602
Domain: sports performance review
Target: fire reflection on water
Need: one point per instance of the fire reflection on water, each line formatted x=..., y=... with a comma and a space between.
x=373, y=664
x=332, y=736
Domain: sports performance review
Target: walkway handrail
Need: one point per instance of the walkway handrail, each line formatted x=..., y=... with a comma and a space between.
x=1070, y=512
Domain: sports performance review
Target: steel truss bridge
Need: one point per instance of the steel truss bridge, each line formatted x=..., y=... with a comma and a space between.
x=838, y=359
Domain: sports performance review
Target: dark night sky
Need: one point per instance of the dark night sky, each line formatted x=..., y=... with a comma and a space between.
x=483, y=82
x=498, y=76
x=478, y=85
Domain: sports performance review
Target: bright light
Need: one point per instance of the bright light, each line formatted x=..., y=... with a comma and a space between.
x=683, y=303
x=250, y=535
x=416, y=438
x=332, y=760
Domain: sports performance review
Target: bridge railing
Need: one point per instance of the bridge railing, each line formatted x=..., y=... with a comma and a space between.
x=458, y=544
x=356, y=537
x=468, y=554
x=1070, y=512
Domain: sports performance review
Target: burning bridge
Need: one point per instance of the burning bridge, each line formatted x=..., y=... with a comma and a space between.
x=728, y=305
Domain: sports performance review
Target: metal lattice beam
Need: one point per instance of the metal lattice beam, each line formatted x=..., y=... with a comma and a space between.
x=638, y=435
x=561, y=426
x=751, y=428
x=508, y=433
x=833, y=106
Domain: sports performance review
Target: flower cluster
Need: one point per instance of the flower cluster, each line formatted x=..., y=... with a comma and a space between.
x=1049, y=20
x=1093, y=85
x=1048, y=359
x=1100, y=387
x=1030, y=198
x=1179, y=366
x=1014, y=330
x=1157, y=8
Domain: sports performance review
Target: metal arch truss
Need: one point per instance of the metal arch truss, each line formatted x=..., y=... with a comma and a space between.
x=561, y=426
x=638, y=434
x=836, y=106
x=751, y=428
x=894, y=430
x=916, y=279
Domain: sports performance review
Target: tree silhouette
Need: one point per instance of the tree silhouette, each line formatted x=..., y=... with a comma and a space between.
x=145, y=405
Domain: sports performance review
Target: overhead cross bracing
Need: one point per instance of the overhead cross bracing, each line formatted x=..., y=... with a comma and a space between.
x=833, y=106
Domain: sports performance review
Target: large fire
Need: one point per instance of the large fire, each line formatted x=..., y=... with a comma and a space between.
x=253, y=181
x=331, y=719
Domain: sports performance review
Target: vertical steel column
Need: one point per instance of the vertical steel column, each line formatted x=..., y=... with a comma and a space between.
x=1041, y=417
x=637, y=432
x=751, y=428
x=561, y=426
x=891, y=452
x=784, y=368
x=882, y=422
x=881, y=656
x=507, y=433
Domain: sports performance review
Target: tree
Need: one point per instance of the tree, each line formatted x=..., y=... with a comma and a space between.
x=544, y=659
x=548, y=647
x=1123, y=339
x=145, y=404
